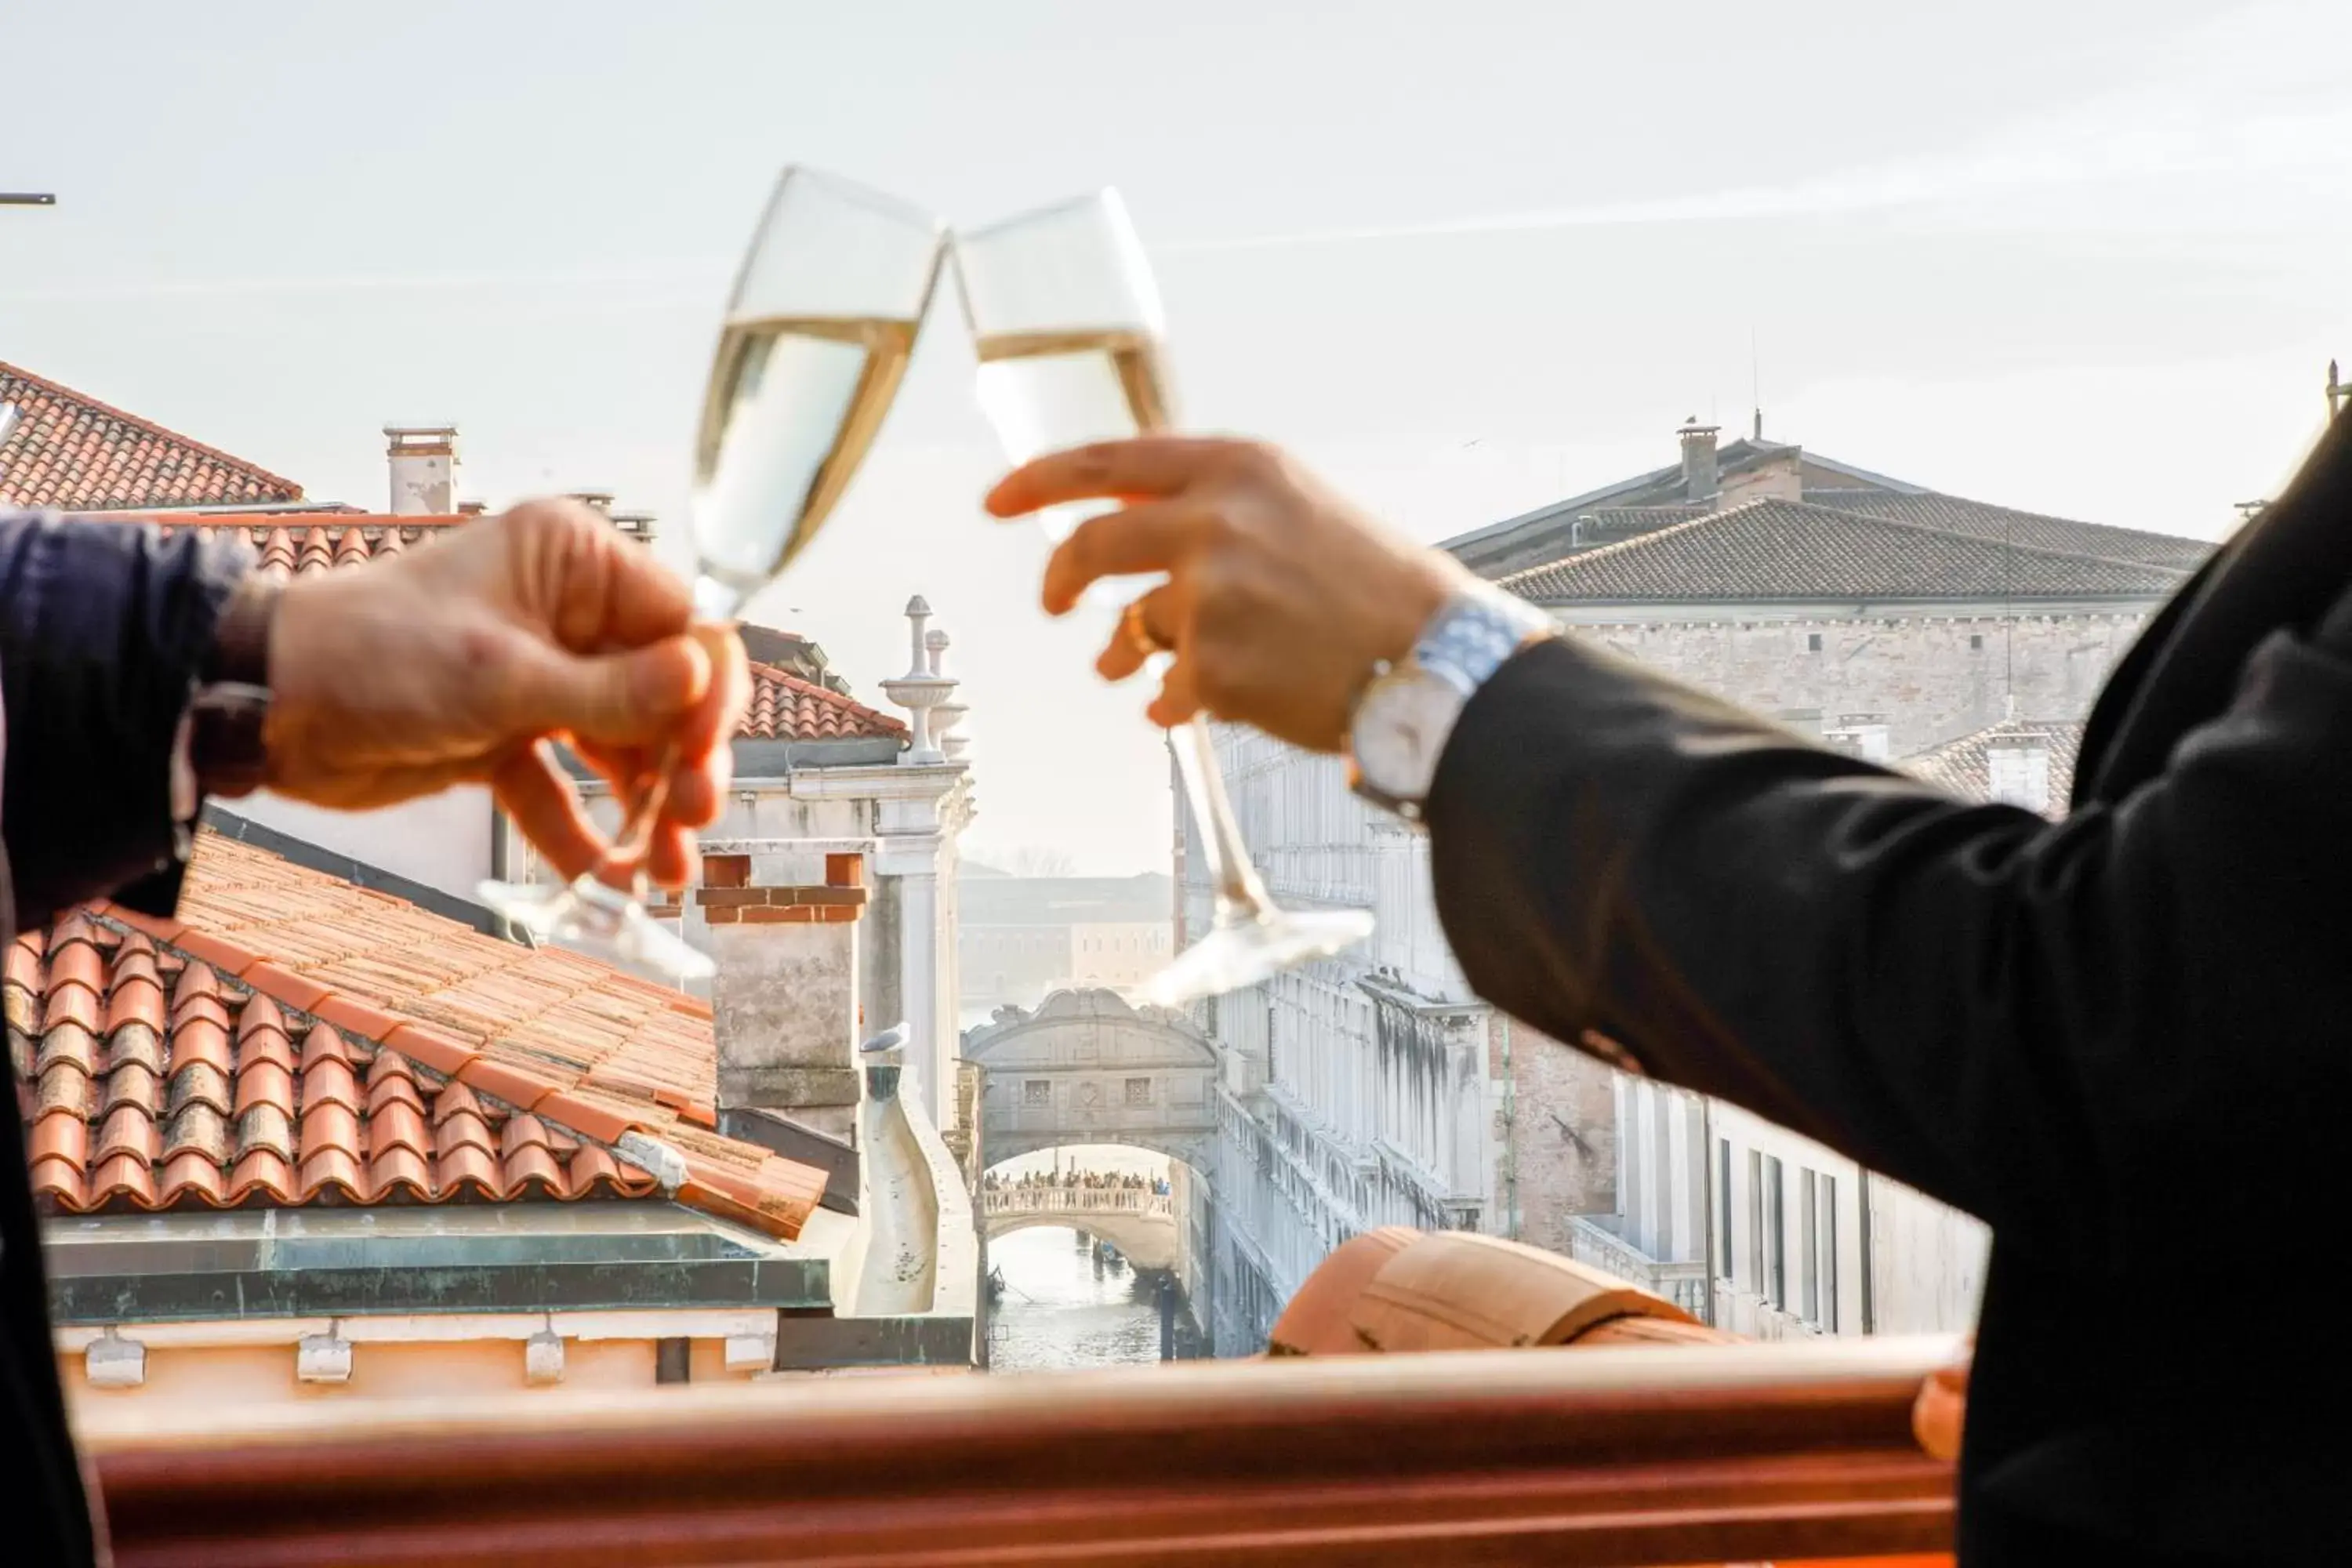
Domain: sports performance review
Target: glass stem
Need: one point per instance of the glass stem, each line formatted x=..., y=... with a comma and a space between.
x=1240, y=896
x=633, y=845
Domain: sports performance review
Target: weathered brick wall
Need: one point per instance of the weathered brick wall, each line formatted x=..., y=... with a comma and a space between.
x=1555, y=1138
x=1929, y=680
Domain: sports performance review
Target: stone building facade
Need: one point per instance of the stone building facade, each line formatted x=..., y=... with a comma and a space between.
x=1874, y=614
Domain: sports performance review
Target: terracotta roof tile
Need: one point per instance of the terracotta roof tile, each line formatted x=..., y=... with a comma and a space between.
x=76, y=454
x=786, y=708
x=154, y=1079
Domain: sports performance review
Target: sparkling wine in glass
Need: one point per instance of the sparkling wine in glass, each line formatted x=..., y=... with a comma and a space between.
x=817, y=335
x=1066, y=324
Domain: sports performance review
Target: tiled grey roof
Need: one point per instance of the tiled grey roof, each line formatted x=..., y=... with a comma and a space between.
x=1516, y=543
x=1985, y=521
x=1790, y=551
x=1959, y=765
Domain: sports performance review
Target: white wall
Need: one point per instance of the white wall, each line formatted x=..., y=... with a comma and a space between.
x=1793, y=1271
x=1927, y=1262
x=441, y=841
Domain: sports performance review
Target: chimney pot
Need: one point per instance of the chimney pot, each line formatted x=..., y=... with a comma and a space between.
x=423, y=461
x=1699, y=481
x=2017, y=770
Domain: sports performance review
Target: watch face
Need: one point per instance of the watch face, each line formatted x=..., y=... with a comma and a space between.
x=1400, y=730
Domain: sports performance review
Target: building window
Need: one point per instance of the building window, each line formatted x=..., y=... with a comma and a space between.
x=1773, y=1277
x=1139, y=1091
x=1825, y=1237
x=1037, y=1091
x=1755, y=1221
x=1812, y=642
x=1975, y=641
x=1723, y=1210
x=1809, y=1253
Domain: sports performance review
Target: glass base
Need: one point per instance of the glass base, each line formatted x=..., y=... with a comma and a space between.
x=601, y=920
x=1246, y=951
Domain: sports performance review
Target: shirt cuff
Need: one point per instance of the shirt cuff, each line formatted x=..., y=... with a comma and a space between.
x=186, y=797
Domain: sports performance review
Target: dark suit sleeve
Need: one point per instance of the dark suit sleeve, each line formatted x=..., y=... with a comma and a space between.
x=2088, y=1034
x=102, y=628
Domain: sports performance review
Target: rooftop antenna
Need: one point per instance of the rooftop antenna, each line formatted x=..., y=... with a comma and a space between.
x=2337, y=392
x=10, y=415
x=1755, y=386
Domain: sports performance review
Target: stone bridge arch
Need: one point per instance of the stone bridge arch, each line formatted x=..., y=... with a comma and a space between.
x=1142, y=1223
x=1086, y=1067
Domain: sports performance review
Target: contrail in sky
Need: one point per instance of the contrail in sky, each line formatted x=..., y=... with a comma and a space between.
x=2043, y=161
x=2100, y=144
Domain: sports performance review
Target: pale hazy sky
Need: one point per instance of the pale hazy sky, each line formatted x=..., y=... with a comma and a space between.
x=2086, y=257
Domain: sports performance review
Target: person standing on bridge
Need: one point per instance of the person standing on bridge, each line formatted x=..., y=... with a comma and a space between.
x=2102, y=1035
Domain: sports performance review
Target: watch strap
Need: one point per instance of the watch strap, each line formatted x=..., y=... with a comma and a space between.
x=1472, y=634
x=1476, y=633
x=227, y=745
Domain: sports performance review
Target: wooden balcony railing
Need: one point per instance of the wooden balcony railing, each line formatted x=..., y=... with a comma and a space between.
x=1696, y=1453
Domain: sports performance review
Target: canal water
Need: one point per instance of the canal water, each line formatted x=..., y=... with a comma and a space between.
x=1064, y=1308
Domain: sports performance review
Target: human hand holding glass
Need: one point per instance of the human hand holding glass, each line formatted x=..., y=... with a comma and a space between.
x=1067, y=324
x=817, y=334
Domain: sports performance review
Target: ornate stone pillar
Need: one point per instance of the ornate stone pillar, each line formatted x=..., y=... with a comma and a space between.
x=921, y=814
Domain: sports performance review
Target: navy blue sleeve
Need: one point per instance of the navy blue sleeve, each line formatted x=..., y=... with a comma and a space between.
x=103, y=628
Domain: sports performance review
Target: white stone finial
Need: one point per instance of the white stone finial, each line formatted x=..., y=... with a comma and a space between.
x=947, y=720
x=922, y=688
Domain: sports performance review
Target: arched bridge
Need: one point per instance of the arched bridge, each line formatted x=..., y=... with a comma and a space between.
x=1137, y=1221
x=1087, y=1068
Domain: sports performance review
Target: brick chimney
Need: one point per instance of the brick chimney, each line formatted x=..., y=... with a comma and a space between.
x=2017, y=770
x=1699, y=481
x=424, y=463
x=782, y=928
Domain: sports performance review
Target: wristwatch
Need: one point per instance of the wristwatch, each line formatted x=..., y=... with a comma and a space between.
x=226, y=753
x=1407, y=714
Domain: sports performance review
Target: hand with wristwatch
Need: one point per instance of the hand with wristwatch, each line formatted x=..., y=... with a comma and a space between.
x=1286, y=608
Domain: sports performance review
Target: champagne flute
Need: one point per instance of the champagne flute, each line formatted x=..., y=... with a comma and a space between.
x=816, y=336
x=1065, y=320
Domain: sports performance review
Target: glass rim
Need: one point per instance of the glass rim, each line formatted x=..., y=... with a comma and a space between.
x=879, y=203
x=1107, y=198
x=872, y=197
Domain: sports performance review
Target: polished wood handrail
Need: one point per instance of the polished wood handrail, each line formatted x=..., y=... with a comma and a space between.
x=1693, y=1454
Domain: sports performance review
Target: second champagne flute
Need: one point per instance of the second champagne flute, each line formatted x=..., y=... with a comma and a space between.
x=1066, y=324
x=817, y=334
